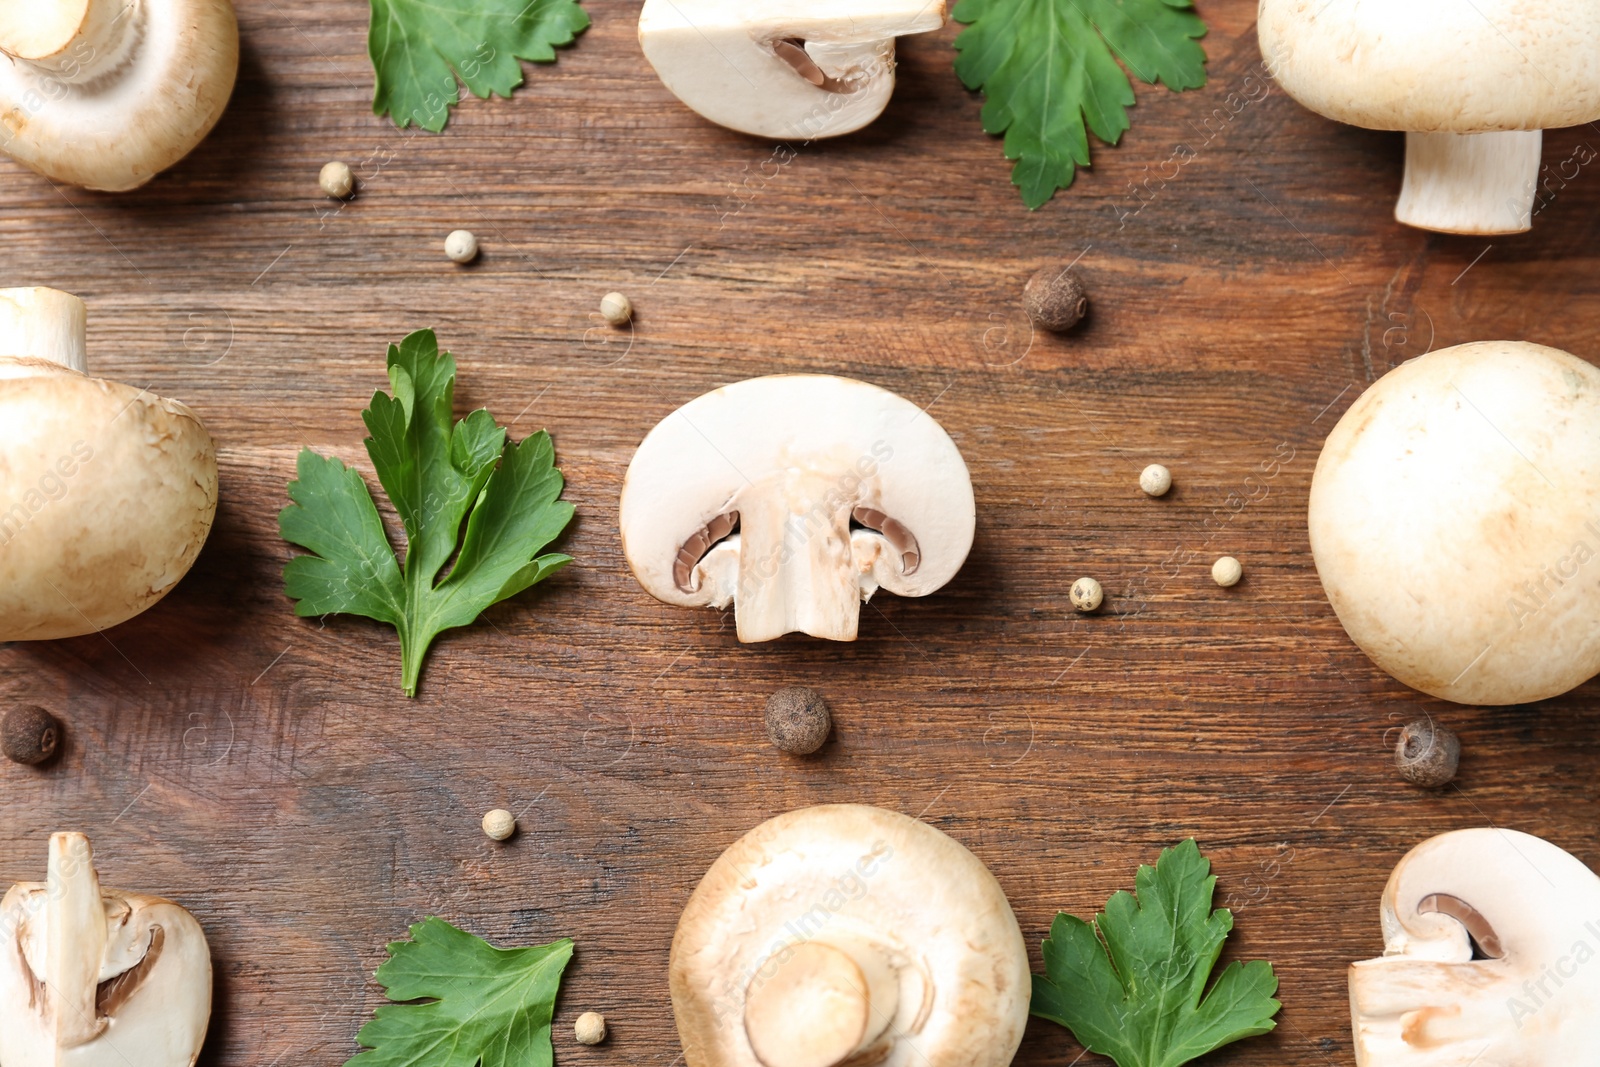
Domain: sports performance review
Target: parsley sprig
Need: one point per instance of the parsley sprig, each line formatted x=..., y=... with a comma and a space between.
x=463, y=493
x=1049, y=71
x=1132, y=985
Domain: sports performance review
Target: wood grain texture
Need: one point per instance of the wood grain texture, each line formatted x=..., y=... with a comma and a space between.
x=265, y=770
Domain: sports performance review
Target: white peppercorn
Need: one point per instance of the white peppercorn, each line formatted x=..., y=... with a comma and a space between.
x=1086, y=594
x=461, y=246
x=616, y=309
x=1155, y=480
x=336, y=180
x=499, y=824
x=590, y=1029
x=1227, y=571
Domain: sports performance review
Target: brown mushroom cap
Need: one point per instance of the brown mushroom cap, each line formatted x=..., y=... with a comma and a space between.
x=107, y=494
x=1455, y=522
x=848, y=932
x=1437, y=65
x=105, y=94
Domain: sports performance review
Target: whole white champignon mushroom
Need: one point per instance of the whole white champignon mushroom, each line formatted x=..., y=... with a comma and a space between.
x=1491, y=956
x=1471, y=84
x=784, y=69
x=106, y=492
x=93, y=977
x=848, y=934
x=795, y=498
x=107, y=94
x=1455, y=522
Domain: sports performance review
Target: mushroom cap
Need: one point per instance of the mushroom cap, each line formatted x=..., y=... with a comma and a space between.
x=839, y=873
x=1455, y=521
x=795, y=456
x=739, y=63
x=110, y=98
x=1490, y=937
x=109, y=493
x=153, y=1002
x=1437, y=65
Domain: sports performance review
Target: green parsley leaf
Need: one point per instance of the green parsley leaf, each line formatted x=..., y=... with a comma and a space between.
x=437, y=476
x=1132, y=985
x=479, y=1004
x=420, y=47
x=1046, y=67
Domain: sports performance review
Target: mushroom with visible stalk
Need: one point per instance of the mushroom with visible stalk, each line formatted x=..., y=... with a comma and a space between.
x=107, y=94
x=1472, y=91
x=795, y=498
x=1491, y=939
x=94, y=977
x=848, y=934
x=785, y=69
x=1455, y=517
x=106, y=492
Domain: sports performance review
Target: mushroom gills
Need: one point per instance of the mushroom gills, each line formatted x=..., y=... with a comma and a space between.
x=895, y=532
x=698, y=546
x=1485, y=942
x=850, y=76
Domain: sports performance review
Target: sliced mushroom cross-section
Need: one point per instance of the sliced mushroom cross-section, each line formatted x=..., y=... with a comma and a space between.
x=786, y=69
x=794, y=498
x=94, y=977
x=1491, y=956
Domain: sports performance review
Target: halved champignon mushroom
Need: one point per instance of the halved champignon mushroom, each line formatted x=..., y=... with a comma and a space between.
x=848, y=934
x=106, y=492
x=794, y=498
x=1472, y=87
x=1491, y=956
x=93, y=977
x=1455, y=522
x=784, y=69
x=106, y=94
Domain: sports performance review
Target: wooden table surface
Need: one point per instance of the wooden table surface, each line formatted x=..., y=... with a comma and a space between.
x=1247, y=281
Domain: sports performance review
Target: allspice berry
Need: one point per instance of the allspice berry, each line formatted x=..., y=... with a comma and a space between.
x=798, y=720
x=1427, y=754
x=1055, y=299
x=29, y=734
x=590, y=1029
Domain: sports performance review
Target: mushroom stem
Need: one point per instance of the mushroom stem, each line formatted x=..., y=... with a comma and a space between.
x=76, y=925
x=72, y=39
x=47, y=324
x=1471, y=183
x=827, y=1002
x=795, y=566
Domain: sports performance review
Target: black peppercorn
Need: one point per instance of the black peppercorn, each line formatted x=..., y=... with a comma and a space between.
x=798, y=720
x=29, y=734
